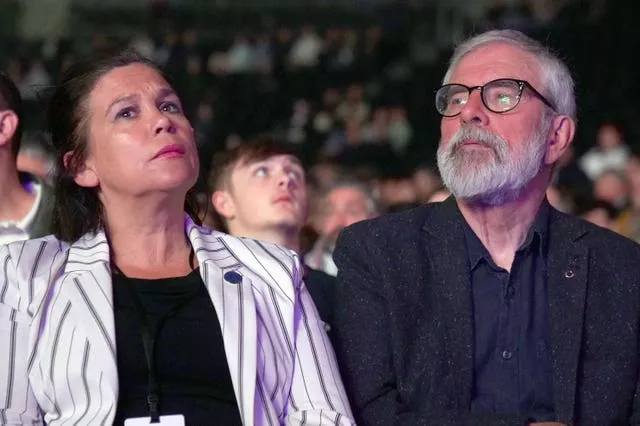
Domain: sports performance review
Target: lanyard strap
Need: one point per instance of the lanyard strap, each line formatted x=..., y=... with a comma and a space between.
x=149, y=341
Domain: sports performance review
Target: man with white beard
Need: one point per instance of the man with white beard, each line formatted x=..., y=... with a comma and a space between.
x=492, y=307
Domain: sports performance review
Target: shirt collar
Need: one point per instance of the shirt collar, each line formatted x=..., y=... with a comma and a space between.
x=537, y=236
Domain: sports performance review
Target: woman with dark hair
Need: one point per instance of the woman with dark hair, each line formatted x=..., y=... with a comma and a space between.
x=132, y=310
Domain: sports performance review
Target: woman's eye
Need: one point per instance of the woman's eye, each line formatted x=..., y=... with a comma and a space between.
x=261, y=171
x=171, y=107
x=128, y=112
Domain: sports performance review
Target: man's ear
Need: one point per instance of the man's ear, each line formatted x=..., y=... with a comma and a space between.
x=8, y=125
x=223, y=204
x=85, y=175
x=559, y=138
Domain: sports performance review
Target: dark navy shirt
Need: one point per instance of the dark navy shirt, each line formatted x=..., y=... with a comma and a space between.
x=512, y=366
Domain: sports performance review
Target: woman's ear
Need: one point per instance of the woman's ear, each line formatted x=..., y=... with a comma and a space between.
x=85, y=175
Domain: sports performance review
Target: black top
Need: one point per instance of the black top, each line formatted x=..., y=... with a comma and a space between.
x=321, y=287
x=512, y=368
x=189, y=352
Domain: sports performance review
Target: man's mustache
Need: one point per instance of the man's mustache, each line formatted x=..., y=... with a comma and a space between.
x=466, y=134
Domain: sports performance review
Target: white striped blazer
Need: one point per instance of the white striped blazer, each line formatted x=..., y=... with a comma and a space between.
x=57, y=336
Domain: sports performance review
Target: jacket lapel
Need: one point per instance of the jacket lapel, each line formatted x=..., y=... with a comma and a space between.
x=567, y=268
x=232, y=297
x=86, y=284
x=449, y=270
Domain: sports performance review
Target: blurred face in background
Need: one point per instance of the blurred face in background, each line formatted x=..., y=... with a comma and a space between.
x=609, y=137
x=343, y=207
x=426, y=182
x=612, y=188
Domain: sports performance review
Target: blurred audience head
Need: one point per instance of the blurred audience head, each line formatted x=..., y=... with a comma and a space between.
x=344, y=203
x=11, y=116
x=612, y=187
x=609, y=136
x=426, y=181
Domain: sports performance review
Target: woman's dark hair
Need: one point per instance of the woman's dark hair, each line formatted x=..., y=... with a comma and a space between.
x=78, y=209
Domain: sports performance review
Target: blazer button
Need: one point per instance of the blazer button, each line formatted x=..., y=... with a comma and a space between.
x=233, y=277
x=569, y=273
x=506, y=355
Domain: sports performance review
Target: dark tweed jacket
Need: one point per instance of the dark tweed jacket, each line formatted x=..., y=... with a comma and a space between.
x=403, y=327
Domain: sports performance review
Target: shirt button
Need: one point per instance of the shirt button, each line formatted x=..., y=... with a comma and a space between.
x=511, y=291
x=506, y=355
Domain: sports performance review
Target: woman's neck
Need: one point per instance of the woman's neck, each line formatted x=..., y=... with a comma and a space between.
x=149, y=245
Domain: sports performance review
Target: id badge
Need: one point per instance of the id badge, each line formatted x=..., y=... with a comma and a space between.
x=172, y=420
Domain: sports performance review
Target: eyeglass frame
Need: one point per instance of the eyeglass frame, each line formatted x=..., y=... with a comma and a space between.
x=521, y=85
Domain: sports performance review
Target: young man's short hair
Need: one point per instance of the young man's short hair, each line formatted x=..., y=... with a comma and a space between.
x=249, y=152
x=10, y=99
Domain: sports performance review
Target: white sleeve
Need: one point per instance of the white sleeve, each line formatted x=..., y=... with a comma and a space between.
x=18, y=405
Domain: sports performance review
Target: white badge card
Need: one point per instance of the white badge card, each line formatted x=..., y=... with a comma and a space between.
x=172, y=420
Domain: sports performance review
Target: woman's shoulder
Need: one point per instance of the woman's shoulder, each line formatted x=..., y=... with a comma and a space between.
x=267, y=253
x=31, y=256
x=243, y=249
x=26, y=270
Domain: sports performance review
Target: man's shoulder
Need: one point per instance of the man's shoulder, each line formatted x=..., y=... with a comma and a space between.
x=394, y=223
x=608, y=247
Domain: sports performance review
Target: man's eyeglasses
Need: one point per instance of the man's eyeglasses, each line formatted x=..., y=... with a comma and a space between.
x=498, y=96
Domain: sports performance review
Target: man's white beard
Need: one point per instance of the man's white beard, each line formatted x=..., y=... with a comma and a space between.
x=491, y=176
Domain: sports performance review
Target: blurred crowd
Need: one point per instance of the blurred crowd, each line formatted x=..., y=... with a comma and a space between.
x=356, y=101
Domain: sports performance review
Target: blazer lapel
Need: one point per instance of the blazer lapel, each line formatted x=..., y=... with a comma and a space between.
x=567, y=268
x=449, y=272
x=232, y=297
x=86, y=284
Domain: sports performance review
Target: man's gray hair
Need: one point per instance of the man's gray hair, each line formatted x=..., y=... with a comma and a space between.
x=364, y=188
x=554, y=74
